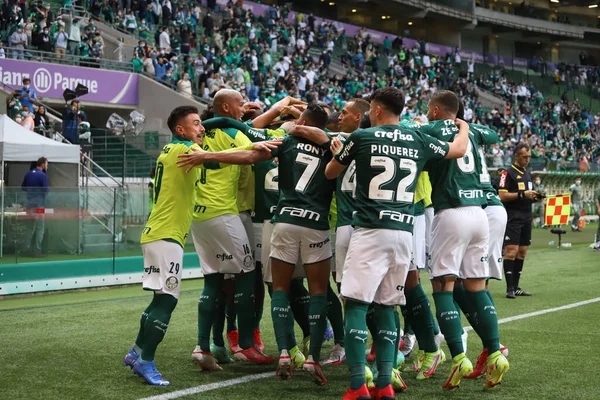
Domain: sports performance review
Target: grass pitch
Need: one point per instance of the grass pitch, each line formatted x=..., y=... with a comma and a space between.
x=71, y=345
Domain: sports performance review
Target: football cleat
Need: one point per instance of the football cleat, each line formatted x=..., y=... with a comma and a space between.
x=233, y=340
x=372, y=354
x=205, y=360
x=409, y=343
x=360, y=394
x=496, y=368
x=461, y=366
x=387, y=393
x=510, y=294
x=147, y=370
x=430, y=364
x=284, y=368
x=314, y=369
x=258, y=340
x=131, y=358
x=504, y=350
x=336, y=357
x=328, y=333
x=220, y=354
x=480, y=367
x=417, y=362
x=397, y=381
x=369, y=377
x=521, y=292
x=298, y=359
x=254, y=355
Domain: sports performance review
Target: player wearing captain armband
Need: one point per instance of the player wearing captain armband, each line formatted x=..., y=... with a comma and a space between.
x=388, y=162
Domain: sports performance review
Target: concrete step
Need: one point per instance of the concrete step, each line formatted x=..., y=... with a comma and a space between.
x=93, y=229
x=91, y=248
x=98, y=238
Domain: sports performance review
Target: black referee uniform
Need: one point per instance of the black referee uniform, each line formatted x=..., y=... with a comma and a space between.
x=518, y=228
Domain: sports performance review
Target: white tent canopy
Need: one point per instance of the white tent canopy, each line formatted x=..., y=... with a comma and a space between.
x=20, y=144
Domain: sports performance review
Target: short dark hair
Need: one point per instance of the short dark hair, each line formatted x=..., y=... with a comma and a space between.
x=520, y=147
x=390, y=98
x=461, y=110
x=26, y=80
x=365, y=121
x=360, y=105
x=316, y=115
x=177, y=114
x=41, y=161
x=447, y=100
x=333, y=120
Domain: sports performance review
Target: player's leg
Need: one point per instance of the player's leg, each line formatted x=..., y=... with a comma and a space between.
x=448, y=249
x=285, y=250
x=230, y=312
x=255, y=237
x=163, y=261
x=217, y=347
x=519, y=261
x=576, y=215
x=315, y=249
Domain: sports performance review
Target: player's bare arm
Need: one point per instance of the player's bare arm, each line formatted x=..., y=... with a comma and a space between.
x=310, y=133
x=458, y=147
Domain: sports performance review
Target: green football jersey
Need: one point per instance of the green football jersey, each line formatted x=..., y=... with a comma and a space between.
x=419, y=208
x=490, y=193
x=455, y=183
x=345, y=188
x=304, y=191
x=388, y=159
x=266, y=181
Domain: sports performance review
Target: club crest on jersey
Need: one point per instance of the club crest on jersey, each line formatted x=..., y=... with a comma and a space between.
x=171, y=282
x=248, y=262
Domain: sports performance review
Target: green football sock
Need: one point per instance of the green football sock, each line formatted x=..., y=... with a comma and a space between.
x=398, y=336
x=408, y=330
x=436, y=327
x=335, y=316
x=420, y=316
x=259, y=296
x=464, y=304
x=299, y=301
x=139, y=342
x=385, y=342
x=487, y=320
x=156, y=324
x=317, y=315
x=449, y=320
x=283, y=321
x=491, y=297
x=244, y=306
x=230, y=315
x=207, y=307
x=219, y=324
x=356, y=345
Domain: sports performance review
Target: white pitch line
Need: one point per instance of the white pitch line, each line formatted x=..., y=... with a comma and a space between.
x=250, y=378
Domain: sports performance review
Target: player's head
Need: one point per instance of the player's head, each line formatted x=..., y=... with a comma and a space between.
x=443, y=104
x=365, y=121
x=229, y=103
x=522, y=155
x=325, y=107
x=538, y=180
x=386, y=106
x=185, y=122
x=352, y=113
x=333, y=122
x=314, y=115
x=578, y=180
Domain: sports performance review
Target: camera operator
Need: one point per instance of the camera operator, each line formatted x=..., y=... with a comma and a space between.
x=517, y=194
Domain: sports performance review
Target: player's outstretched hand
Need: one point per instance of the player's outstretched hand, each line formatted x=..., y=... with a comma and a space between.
x=193, y=159
x=290, y=110
x=251, y=106
x=336, y=146
x=267, y=145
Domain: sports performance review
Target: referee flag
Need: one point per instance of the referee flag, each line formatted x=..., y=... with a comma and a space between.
x=558, y=209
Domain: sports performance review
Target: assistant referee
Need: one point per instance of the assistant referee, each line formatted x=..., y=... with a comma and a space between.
x=517, y=194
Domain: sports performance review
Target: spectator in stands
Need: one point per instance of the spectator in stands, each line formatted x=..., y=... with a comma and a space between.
x=41, y=119
x=209, y=24
x=130, y=22
x=61, y=40
x=17, y=41
x=74, y=31
x=43, y=40
x=2, y=53
x=35, y=186
x=27, y=121
x=137, y=61
x=70, y=122
x=164, y=40
x=27, y=94
x=184, y=86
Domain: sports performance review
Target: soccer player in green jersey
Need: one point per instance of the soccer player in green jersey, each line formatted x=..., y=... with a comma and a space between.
x=221, y=240
x=460, y=243
x=388, y=162
x=163, y=239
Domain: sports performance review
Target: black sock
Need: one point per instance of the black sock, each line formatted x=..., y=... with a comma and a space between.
x=509, y=270
x=517, y=275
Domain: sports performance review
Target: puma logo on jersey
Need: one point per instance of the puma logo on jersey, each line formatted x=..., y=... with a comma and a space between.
x=396, y=135
x=389, y=340
x=311, y=149
x=301, y=212
x=362, y=339
x=470, y=194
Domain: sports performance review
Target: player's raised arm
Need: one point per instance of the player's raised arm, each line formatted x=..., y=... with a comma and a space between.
x=342, y=156
x=310, y=133
x=458, y=147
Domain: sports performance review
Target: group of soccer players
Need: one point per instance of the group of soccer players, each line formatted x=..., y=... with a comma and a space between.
x=258, y=196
